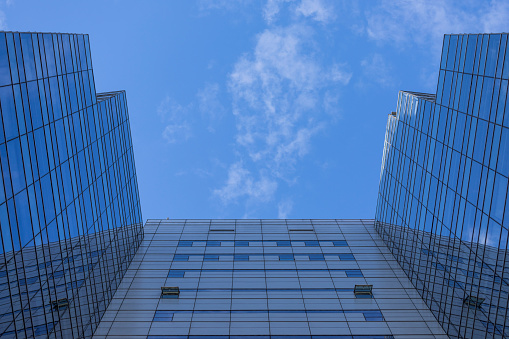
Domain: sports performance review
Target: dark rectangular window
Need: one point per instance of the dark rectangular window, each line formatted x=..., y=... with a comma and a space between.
x=285, y=257
x=439, y=266
x=241, y=257
x=346, y=256
x=180, y=257
x=176, y=274
x=316, y=257
x=373, y=316
x=163, y=316
x=354, y=273
x=211, y=257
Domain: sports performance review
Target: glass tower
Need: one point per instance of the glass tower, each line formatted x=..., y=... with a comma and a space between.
x=265, y=279
x=442, y=204
x=70, y=216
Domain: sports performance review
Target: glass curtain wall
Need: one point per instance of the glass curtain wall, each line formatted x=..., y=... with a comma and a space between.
x=442, y=204
x=70, y=216
x=265, y=279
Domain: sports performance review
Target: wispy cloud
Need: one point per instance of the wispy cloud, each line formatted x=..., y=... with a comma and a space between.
x=242, y=183
x=276, y=92
x=229, y=5
x=281, y=99
x=377, y=70
x=423, y=22
x=3, y=17
x=243, y=9
x=177, y=132
x=340, y=73
x=408, y=25
x=210, y=105
x=317, y=10
x=496, y=17
x=284, y=208
x=180, y=120
x=175, y=119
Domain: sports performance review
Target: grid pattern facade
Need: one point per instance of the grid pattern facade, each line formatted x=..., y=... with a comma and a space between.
x=70, y=218
x=442, y=204
x=265, y=279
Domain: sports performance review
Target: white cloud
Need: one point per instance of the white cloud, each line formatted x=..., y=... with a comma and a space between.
x=210, y=105
x=180, y=120
x=271, y=9
x=316, y=9
x=281, y=98
x=339, y=73
x=205, y=6
x=424, y=22
x=496, y=17
x=284, y=208
x=376, y=69
x=331, y=105
x=287, y=153
x=241, y=183
x=177, y=132
x=3, y=20
x=276, y=93
x=174, y=116
x=280, y=101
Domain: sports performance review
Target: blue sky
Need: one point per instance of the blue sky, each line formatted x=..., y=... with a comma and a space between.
x=260, y=109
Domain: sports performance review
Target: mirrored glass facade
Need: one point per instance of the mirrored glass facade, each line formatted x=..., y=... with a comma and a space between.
x=442, y=204
x=70, y=218
x=265, y=279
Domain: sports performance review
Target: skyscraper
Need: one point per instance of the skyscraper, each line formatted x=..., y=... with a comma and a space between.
x=442, y=205
x=223, y=279
x=70, y=215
